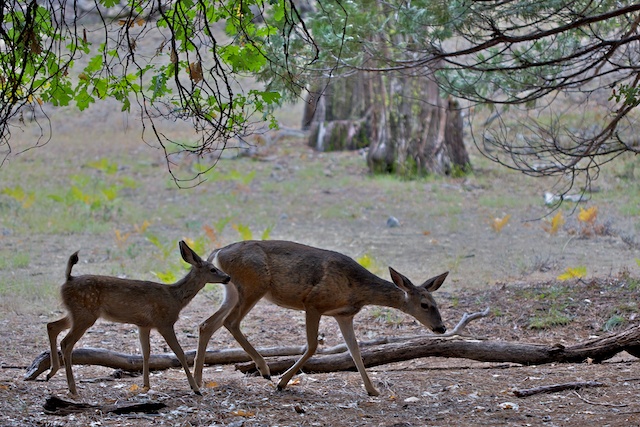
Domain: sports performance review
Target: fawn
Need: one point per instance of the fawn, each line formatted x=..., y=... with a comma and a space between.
x=317, y=281
x=148, y=305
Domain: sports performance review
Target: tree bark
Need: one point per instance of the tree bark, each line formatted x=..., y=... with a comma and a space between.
x=375, y=353
x=407, y=126
x=596, y=350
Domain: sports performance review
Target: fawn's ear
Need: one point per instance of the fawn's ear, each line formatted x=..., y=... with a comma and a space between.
x=435, y=282
x=189, y=255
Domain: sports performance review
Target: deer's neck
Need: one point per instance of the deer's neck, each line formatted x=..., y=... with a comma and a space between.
x=383, y=293
x=187, y=288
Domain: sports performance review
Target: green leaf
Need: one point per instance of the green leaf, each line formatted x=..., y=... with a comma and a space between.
x=95, y=64
x=104, y=165
x=266, y=233
x=166, y=277
x=110, y=193
x=244, y=230
x=109, y=3
x=573, y=273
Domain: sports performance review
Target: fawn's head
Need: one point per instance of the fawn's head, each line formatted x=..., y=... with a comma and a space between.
x=420, y=303
x=204, y=268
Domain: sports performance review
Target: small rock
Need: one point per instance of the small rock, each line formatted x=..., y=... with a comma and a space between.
x=393, y=222
x=509, y=405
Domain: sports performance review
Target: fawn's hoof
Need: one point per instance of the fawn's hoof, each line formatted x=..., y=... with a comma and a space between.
x=267, y=377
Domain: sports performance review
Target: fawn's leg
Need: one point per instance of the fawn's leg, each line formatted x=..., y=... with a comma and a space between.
x=53, y=330
x=170, y=337
x=313, y=324
x=346, y=327
x=145, y=346
x=78, y=328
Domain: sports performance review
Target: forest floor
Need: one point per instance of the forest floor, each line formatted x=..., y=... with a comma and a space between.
x=327, y=200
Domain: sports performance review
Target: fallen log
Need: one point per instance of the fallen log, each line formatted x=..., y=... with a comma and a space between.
x=375, y=353
x=595, y=350
x=133, y=362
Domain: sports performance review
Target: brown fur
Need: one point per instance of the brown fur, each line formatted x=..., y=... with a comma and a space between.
x=148, y=305
x=317, y=281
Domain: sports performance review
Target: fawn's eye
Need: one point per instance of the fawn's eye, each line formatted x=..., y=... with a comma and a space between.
x=424, y=305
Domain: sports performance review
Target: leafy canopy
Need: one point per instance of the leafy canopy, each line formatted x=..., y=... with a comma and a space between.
x=182, y=60
x=174, y=60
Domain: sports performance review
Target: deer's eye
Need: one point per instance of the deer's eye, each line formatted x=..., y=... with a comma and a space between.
x=424, y=305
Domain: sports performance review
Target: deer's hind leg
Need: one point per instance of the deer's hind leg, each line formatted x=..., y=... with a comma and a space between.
x=313, y=325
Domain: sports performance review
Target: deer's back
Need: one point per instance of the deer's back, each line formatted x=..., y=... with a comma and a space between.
x=294, y=275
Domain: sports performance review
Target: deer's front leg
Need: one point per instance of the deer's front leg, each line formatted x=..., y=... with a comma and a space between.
x=170, y=337
x=145, y=347
x=346, y=328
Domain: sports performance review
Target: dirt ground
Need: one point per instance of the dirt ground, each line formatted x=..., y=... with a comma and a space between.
x=421, y=392
x=513, y=272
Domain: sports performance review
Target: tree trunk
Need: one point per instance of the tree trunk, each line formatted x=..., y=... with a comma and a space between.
x=407, y=126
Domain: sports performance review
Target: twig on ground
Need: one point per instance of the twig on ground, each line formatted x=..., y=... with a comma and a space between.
x=554, y=388
x=590, y=402
x=56, y=406
x=466, y=319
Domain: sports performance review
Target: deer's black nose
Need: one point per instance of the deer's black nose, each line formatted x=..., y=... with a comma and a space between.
x=439, y=329
x=226, y=280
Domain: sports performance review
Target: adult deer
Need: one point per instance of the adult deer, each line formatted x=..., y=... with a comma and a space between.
x=148, y=305
x=318, y=281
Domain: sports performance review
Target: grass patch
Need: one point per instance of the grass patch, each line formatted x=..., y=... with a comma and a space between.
x=503, y=201
x=553, y=317
x=27, y=294
x=386, y=316
x=11, y=260
x=614, y=322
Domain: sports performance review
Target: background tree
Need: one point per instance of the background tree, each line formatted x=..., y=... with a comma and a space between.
x=399, y=113
x=172, y=60
x=517, y=57
x=560, y=80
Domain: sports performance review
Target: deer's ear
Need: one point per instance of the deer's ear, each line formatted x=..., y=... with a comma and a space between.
x=189, y=255
x=401, y=281
x=435, y=282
